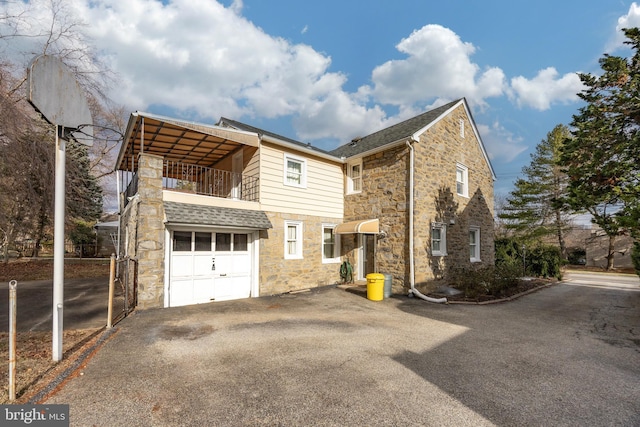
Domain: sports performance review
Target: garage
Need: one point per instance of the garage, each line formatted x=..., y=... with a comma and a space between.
x=208, y=266
x=212, y=253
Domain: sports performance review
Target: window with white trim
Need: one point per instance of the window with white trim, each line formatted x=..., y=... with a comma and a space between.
x=474, y=244
x=330, y=244
x=354, y=177
x=295, y=171
x=292, y=239
x=462, y=180
x=438, y=239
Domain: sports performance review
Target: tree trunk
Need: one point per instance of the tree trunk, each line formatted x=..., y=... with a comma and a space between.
x=611, y=252
x=561, y=242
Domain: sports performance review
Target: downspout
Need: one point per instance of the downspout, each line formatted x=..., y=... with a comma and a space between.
x=412, y=274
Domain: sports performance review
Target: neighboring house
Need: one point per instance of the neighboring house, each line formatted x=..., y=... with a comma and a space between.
x=597, y=249
x=231, y=211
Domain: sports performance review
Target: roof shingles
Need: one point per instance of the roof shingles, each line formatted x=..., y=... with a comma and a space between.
x=391, y=134
x=184, y=213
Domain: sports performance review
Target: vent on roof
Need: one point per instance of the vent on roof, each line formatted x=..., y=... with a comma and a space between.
x=355, y=141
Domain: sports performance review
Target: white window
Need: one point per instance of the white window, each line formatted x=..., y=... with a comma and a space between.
x=474, y=244
x=292, y=239
x=354, y=175
x=438, y=239
x=295, y=171
x=330, y=244
x=462, y=180
x=461, y=128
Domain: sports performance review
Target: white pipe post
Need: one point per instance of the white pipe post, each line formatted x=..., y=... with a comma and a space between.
x=112, y=281
x=12, y=338
x=58, y=248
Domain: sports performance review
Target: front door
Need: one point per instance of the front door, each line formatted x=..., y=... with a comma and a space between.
x=367, y=259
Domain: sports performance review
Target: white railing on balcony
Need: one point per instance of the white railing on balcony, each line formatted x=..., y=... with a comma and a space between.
x=210, y=182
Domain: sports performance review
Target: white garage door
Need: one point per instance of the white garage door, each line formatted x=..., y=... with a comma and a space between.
x=209, y=266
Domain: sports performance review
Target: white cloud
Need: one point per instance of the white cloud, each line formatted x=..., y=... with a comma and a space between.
x=501, y=144
x=545, y=89
x=438, y=66
x=205, y=60
x=630, y=20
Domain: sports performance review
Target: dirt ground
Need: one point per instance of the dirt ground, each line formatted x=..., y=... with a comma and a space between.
x=34, y=365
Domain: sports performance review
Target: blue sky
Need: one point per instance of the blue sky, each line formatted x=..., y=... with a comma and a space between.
x=327, y=71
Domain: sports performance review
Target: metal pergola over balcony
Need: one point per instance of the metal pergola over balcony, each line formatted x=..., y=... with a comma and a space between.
x=179, y=141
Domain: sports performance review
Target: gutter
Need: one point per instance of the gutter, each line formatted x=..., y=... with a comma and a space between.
x=412, y=273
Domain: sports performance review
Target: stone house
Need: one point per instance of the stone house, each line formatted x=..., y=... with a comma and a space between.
x=429, y=183
x=217, y=212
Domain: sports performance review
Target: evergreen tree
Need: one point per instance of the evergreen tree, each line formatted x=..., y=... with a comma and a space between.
x=531, y=211
x=602, y=159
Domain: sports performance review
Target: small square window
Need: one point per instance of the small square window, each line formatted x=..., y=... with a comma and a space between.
x=223, y=242
x=182, y=241
x=239, y=242
x=462, y=180
x=203, y=242
x=295, y=171
x=292, y=239
x=438, y=239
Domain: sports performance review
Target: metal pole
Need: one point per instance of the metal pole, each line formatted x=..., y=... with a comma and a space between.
x=112, y=279
x=58, y=248
x=12, y=339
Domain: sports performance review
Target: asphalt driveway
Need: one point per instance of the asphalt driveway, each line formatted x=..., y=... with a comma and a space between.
x=568, y=355
x=85, y=304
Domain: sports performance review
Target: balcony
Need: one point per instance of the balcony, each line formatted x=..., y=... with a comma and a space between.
x=186, y=178
x=209, y=182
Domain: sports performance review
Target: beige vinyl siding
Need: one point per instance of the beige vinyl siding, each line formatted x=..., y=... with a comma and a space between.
x=322, y=196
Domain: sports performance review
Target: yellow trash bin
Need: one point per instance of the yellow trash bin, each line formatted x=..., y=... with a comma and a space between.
x=375, y=286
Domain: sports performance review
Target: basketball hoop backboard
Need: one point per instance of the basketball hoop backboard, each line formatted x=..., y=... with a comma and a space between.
x=55, y=93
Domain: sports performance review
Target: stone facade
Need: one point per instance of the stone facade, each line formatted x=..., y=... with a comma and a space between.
x=143, y=232
x=385, y=195
x=279, y=275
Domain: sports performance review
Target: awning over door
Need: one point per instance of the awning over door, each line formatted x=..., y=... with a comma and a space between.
x=367, y=226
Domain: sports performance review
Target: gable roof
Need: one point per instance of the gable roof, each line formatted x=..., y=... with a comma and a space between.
x=409, y=129
x=392, y=134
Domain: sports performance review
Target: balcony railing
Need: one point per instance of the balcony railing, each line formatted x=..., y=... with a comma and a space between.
x=209, y=182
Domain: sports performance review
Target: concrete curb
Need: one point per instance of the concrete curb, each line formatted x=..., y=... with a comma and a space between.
x=363, y=290
x=501, y=300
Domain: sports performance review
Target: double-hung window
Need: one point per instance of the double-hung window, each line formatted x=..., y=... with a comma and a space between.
x=354, y=177
x=292, y=239
x=295, y=171
x=438, y=239
x=474, y=244
x=462, y=180
x=330, y=244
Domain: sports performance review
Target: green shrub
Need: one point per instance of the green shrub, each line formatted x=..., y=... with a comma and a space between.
x=488, y=280
x=545, y=261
